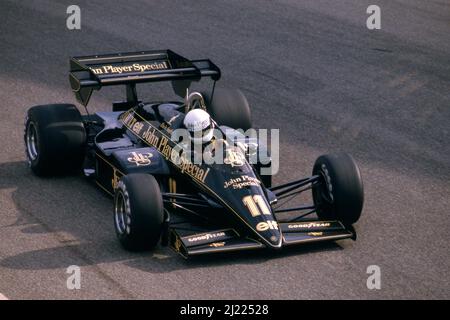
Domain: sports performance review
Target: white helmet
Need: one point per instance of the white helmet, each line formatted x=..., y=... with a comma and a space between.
x=199, y=124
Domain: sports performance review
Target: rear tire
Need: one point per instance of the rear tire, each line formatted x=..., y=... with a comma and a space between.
x=138, y=212
x=229, y=107
x=266, y=180
x=55, y=139
x=340, y=196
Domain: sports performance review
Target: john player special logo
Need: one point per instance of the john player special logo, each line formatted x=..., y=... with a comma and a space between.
x=135, y=67
x=166, y=147
x=140, y=159
x=234, y=158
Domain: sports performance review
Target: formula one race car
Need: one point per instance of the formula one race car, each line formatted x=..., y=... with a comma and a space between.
x=161, y=195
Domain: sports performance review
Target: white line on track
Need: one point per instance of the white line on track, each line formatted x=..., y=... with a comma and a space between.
x=2, y=297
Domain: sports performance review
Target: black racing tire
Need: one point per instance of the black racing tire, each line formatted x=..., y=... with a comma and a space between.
x=266, y=180
x=55, y=139
x=138, y=212
x=340, y=196
x=229, y=107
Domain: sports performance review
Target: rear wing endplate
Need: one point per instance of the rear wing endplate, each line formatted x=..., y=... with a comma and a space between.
x=90, y=73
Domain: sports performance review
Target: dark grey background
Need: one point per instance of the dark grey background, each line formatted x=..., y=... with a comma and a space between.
x=311, y=68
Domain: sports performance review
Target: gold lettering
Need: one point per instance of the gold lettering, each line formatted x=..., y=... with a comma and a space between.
x=138, y=127
x=115, y=179
x=163, y=145
x=150, y=137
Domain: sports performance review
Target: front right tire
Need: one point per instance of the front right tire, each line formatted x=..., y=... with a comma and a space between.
x=340, y=194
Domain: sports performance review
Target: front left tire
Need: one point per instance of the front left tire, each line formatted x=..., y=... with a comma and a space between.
x=138, y=212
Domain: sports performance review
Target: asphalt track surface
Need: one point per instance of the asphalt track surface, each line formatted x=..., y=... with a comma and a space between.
x=310, y=68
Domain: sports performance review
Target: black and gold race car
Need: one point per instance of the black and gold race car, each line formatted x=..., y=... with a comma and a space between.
x=163, y=196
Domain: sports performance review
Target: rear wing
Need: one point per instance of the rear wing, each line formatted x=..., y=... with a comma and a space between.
x=90, y=73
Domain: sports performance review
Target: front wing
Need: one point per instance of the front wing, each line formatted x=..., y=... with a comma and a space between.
x=226, y=240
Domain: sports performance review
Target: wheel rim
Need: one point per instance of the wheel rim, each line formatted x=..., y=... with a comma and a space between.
x=327, y=188
x=122, y=214
x=31, y=142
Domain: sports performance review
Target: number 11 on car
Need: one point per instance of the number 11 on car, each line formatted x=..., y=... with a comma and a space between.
x=256, y=205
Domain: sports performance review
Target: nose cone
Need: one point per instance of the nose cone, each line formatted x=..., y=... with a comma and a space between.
x=255, y=212
x=269, y=232
x=252, y=208
x=245, y=198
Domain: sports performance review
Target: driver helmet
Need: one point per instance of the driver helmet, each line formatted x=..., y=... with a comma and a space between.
x=200, y=126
